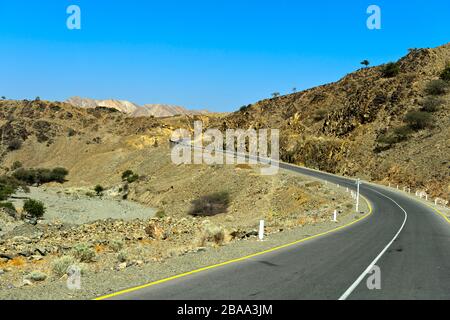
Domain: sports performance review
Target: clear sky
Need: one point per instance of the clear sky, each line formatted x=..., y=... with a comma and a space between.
x=215, y=54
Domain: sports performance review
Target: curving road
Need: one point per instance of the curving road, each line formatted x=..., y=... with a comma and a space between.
x=406, y=239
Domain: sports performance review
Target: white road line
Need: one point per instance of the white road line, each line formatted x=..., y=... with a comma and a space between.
x=369, y=268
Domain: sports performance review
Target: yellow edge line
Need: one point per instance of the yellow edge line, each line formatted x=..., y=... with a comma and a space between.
x=236, y=260
x=438, y=211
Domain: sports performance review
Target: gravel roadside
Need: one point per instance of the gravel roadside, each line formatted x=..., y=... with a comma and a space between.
x=97, y=284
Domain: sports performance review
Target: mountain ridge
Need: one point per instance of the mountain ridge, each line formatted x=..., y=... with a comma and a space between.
x=133, y=109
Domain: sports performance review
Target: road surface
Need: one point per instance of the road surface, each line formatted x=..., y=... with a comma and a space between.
x=406, y=239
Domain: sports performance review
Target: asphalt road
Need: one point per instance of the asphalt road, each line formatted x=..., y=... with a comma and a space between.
x=406, y=239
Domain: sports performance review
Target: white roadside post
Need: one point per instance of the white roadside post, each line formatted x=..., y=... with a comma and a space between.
x=358, y=183
x=335, y=216
x=261, y=230
x=436, y=202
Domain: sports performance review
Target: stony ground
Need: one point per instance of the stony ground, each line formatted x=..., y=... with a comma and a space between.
x=133, y=273
x=35, y=258
x=79, y=206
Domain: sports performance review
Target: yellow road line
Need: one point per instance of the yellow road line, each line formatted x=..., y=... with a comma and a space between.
x=238, y=259
x=438, y=212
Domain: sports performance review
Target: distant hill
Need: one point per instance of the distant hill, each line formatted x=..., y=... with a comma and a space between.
x=134, y=110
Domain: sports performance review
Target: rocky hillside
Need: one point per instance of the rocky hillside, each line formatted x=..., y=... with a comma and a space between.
x=366, y=123
x=134, y=110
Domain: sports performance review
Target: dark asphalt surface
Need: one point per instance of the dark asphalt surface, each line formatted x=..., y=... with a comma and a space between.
x=415, y=266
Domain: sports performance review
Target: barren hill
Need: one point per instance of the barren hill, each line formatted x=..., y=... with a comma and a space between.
x=361, y=125
x=134, y=110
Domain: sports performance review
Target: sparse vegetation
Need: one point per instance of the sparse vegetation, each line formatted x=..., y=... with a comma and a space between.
x=432, y=104
x=320, y=114
x=437, y=87
x=116, y=245
x=61, y=265
x=210, y=205
x=122, y=256
x=40, y=176
x=445, y=75
x=395, y=136
x=418, y=120
x=390, y=70
x=160, y=214
x=8, y=205
x=8, y=186
x=16, y=165
x=14, y=144
x=34, y=208
x=83, y=253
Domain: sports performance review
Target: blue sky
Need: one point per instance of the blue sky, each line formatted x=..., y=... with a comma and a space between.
x=211, y=54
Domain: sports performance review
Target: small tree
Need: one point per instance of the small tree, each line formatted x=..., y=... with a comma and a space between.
x=99, y=190
x=294, y=90
x=365, y=63
x=34, y=208
x=275, y=94
x=3, y=98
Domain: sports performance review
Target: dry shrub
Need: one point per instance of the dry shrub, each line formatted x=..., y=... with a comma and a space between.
x=212, y=233
x=210, y=205
x=155, y=231
x=17, y=262
x=244, y=166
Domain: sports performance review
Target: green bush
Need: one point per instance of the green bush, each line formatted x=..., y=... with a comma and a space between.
x=436, y=87
x=6, y=191
x=320, y=114
x=432, y=104
x=34, y=208
x=8, y=206
x=390, y=70
x=61, y=265
x=127, y=174
x=16, y=165
x=160, y=214
x=130, y=176
x=40, y=176
x=445, y=75
x=395, y=136
x=59, y=174
x=83, y=253
x=418, y=120
x=99, y=189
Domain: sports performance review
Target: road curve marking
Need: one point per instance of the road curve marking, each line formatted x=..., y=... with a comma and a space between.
x=355, y=284
x=133, y=289
x=439, y=212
